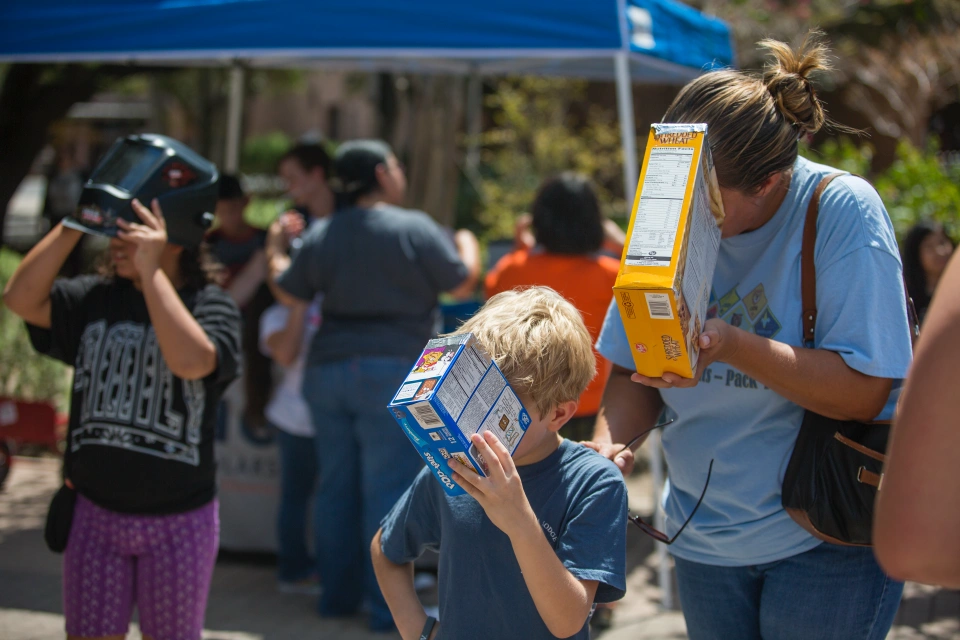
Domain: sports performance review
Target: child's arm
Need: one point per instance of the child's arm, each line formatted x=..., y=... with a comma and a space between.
x=27, y=293
x=613, y=236
x=562, y=600
x=468, y=248
x=396, y=584
x=187, y=350
x=251, y=276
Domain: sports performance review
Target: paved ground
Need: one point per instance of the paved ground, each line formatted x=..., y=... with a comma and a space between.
x=245, y=605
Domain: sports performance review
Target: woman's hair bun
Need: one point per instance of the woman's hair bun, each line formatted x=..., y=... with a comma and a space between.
x=787, y=78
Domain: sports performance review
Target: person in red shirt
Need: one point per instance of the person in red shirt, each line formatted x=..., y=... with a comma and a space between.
x=559, y=246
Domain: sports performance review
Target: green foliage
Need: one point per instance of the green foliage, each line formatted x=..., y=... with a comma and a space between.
x=275, y=82
x=535, y=136
x=918, y=185
x=260, y=154
x=137, y=85
x=24, y=373
x=841, y=153
x=261, y=212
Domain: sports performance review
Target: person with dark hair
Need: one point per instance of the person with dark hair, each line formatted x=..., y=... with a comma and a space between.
x=926, y=253
x=237, y=245
x=566, y=216
x=154, y=344
x=568, y=228
x=745, y=568
x=569, y=184
x=239, y=248
x=380, y=269
x=306, y=171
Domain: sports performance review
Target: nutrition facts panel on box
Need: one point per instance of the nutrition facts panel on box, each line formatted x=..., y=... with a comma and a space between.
x=660, y=208
x=458, y=386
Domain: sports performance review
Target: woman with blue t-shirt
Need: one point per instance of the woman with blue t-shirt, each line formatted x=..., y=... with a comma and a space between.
x=745, y=569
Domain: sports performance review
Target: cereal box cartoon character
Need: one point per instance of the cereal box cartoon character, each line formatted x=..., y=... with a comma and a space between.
x=429, y=360
x=446, y=359
x=426, y=389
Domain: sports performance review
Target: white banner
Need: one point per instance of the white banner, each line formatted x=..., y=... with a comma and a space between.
x=248, y=475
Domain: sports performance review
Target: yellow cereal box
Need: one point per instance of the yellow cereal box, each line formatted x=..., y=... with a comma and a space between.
x=663, y=287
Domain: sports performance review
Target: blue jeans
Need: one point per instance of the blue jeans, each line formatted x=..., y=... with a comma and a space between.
x=366, y=463
x=825, y=593
x=298, y=479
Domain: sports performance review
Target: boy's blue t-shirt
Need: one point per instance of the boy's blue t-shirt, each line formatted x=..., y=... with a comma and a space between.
x=580, y=500
x=750, y=430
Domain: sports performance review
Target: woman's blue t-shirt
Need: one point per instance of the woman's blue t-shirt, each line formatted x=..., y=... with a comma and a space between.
x=746, y=428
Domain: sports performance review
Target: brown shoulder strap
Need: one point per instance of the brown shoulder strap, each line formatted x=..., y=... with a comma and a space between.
x=808, y=270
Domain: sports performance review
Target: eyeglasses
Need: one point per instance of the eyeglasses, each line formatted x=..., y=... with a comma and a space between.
x=654, y=533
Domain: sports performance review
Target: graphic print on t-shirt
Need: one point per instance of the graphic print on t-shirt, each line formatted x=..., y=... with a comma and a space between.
x=751, y=313
x=128, y=395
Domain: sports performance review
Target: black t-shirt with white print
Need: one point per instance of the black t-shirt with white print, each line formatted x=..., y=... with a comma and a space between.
x=140, y=439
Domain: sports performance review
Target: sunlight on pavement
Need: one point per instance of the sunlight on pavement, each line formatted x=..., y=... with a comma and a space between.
x=33, y=625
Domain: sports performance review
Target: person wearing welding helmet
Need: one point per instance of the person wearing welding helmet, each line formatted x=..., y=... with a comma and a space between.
x=153, y=344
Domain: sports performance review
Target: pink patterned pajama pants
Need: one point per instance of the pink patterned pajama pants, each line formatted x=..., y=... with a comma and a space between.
x=161, y=564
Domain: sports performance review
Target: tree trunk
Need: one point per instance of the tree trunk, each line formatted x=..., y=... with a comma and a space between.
x=435, y=152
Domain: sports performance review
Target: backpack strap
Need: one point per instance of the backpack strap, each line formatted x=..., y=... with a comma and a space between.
x=808, y=270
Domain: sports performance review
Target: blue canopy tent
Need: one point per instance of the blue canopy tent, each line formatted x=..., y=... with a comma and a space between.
x=661, y=41
x=643, y=40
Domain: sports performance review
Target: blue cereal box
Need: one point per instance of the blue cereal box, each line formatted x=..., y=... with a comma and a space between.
x=454, y=391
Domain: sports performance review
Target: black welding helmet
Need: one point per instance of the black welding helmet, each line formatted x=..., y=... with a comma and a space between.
x=145, y=167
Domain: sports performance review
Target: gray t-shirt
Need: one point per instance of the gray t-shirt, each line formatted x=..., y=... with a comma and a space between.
x=380, y=271
x=580, y=500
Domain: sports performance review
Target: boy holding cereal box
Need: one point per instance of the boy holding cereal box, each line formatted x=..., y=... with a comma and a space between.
x=534, y=544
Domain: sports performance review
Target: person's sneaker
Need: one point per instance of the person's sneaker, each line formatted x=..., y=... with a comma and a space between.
x=309, y=586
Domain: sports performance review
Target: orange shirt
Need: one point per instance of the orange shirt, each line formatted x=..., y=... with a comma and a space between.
x=586, y=281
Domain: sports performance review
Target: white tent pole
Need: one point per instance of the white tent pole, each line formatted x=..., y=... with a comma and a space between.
x=231, y=156
x=628, y=134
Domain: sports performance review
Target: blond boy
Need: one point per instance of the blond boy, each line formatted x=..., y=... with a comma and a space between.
x=534, y=545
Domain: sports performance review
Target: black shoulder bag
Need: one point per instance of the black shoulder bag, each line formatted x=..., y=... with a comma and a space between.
x=56, y=530
x=836, y=468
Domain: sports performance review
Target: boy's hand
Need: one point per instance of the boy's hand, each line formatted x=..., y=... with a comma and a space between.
x=501, y=492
